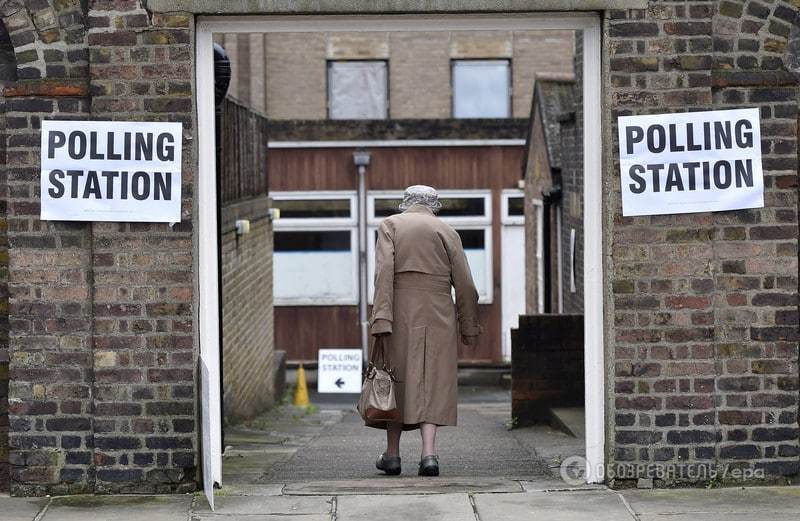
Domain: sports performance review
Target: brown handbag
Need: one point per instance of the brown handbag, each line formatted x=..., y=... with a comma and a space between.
x=377, y=401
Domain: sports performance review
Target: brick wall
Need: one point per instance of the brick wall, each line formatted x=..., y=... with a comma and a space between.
x=296, y=75
x=551, y=164
x=101, y=331
x=8, y=74
x=547, y=372
x=571, y=137
x=145, y=435
x=702, y=325
x=247, y=320
x=303, y=99
x=48, y=267
x=536, y=172
x=248, y=358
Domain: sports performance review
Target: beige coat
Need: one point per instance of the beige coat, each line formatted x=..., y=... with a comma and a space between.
x=418, y=259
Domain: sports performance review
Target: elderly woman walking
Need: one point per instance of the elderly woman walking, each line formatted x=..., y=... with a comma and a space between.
x=418, y=259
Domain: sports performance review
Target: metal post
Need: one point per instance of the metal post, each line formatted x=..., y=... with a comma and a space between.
x=361, y=160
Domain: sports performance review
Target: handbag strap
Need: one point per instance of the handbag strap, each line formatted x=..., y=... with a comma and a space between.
x=378, y=346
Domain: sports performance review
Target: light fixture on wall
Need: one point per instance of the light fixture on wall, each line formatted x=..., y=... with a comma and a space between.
x=242, y=227
x=361, y=158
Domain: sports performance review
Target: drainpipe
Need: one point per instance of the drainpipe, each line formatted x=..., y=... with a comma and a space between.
x=361, y=160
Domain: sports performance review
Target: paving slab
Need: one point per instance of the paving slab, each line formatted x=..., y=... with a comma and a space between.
x=709, y=516
x=267, y=517
x=556, y=485
x=763, y=501
x=263, y=505
x=410, y=485
x=19, y=508
x=119, y=508
x=252, y=467
x=597, y=505
x=241, y=489
x=240, y=437
x=435, y=507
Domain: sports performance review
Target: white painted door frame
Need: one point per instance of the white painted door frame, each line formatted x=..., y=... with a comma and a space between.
x=512, y=254
x=538, y=209
x=589, y=23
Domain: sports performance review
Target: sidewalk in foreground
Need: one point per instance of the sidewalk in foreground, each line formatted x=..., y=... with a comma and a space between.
x=422, y=499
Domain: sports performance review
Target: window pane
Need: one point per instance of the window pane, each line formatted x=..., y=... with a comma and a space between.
x=463, y=207
x=386, y=207
x=313, y=265
x=474, y=242
x=357, y=90
x=451, y=207
x=481, y=89
x=312, y=208
x=516, y=206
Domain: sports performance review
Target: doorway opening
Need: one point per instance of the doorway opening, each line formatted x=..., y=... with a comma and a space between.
x=313, y=181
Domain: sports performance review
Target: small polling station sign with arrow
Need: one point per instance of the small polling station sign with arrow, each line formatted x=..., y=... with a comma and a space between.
x=339, y=371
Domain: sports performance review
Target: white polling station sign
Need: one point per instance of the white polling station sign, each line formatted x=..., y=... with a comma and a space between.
x=339, y=371
x=690, y=162
x=111, y=171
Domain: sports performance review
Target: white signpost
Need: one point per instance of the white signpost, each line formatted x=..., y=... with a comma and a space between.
x=111, y=171
x=690, y=162
x=339, y=371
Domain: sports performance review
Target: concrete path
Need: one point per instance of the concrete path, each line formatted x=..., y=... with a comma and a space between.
x=314, y=465
x=331, y=443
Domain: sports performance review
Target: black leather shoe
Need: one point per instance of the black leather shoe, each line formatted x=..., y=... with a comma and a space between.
x=390, y=466
x=429, y=466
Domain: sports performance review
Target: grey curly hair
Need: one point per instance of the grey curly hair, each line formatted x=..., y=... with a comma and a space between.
x=421, y=194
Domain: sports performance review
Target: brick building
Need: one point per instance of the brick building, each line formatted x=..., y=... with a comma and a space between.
x=553, y=183
x=287, y=76
x=699, y=312
x=316, y=85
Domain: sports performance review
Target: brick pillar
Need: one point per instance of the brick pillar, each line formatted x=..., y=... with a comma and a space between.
x=49, y=264
x=50, y=320
x=703, y=328
x=144, y=358
x=755, y=268
x=8, y=75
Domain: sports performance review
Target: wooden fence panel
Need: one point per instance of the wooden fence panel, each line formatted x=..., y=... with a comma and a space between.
x=243, y=139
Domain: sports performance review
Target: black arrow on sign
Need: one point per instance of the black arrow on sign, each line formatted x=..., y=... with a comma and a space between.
x=339, y=382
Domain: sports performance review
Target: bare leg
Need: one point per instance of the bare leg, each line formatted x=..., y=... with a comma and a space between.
x=428, y=433
x=393, y=432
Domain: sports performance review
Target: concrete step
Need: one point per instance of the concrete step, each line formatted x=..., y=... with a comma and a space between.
x=569, y=420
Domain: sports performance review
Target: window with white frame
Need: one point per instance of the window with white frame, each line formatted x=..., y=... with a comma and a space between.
x=315, y=256
x=468, y=211
x=513, y=207
x=358, y=90
x=481, y=88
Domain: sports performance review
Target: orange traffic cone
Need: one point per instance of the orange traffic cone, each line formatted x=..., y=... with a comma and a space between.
x=301, y=390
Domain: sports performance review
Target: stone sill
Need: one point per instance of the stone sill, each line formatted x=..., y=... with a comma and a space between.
x=384, y=6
